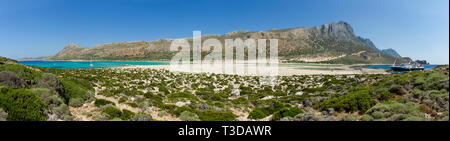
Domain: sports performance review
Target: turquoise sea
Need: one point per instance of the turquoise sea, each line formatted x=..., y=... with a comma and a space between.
x=85, y=64
x=107, y=64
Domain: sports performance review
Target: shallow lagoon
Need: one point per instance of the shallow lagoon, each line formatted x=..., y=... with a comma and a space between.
x=85, y=64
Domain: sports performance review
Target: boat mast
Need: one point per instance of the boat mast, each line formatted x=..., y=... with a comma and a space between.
x=91, y=65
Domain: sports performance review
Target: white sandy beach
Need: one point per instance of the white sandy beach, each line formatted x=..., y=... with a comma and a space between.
x=283, y=69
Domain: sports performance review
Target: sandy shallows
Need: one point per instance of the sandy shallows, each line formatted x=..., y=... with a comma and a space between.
x=253, y=70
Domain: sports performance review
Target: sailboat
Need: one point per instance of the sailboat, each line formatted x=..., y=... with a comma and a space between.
x=90, y=64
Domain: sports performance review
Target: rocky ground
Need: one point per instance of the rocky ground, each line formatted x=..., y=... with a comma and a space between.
x=165, y=95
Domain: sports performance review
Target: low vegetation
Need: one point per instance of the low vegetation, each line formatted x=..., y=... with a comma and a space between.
x=115, y=94
x=21, y=105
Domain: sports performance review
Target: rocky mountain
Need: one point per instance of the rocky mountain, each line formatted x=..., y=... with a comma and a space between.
x=328, y=43
x=423, y=62
x=41, y=58
x=368, y=42
x=391, y=52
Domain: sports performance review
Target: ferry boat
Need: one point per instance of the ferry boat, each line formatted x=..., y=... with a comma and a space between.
x=407, y=67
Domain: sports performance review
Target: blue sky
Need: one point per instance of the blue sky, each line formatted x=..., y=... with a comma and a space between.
x=30, y=28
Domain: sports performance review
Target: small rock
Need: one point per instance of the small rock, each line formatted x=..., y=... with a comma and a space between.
x=397, y=117
x=309, y=117
x=3, y=115
x=181, y=104
x=331, y=111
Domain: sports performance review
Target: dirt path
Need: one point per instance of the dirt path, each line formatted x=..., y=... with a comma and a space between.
x=242, y=115
x=320, y=59
x=77, y=112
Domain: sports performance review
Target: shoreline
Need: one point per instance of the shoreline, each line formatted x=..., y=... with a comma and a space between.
x=282, y=70
x=167, y=61
x=94, y=60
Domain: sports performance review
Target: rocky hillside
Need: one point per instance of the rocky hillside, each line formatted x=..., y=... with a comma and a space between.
x=21, y=89
x=368, y=42
x=391, y=52
x=330, y=43
x=4, y=60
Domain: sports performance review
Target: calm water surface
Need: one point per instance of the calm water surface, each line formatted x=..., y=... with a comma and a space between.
x=85, y=64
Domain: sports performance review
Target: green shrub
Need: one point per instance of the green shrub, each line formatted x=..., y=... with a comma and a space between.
x=381, y=93
x=293, y=111
x=265, y=108
x=358, y=101
x=54, y=102
x=437, y=94
x=10, y=79
x=162, y=113
x=417, y=91
x=396, y=111
x=386, y=95
x=113, y=112
x=123, y=99
x=134, y=105
x=286, y=112
x=42, y=92
x=22, y=72
x=164, y=89
x=240, y=100
x=280, y=93
x=154, y=99
x=366, y=117
x=256, y=114
x=180, y=95
x=175, y=110
x=61, y=110
x=50, y=81
x=76, y=102
x=74, y=89
x=220, y=97
x=420, y=81
x=212, y=115
x=269, y=107
x=349, y=117
x=101, y=117
x=21, y=105
x=436, y=76
x=188, y=116
x=313, y=90
x=434, y=81
x=142, y=117
x=127, y=114
x=102, y=102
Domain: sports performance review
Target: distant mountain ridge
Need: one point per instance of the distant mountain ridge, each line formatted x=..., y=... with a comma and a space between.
x=368, y=42
x=391, y=52
x=328, y=43
x=388, y=51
